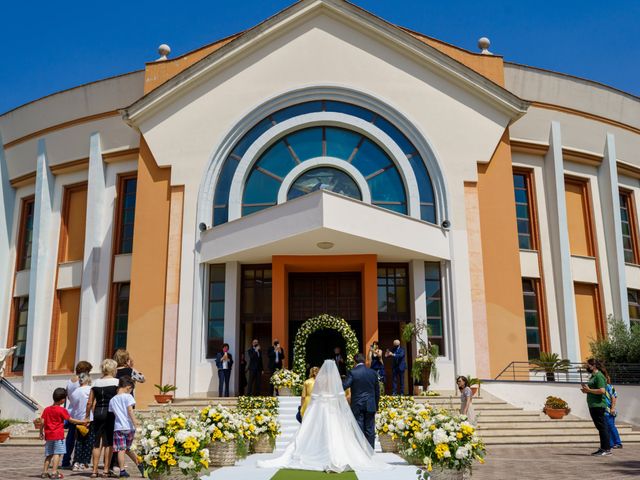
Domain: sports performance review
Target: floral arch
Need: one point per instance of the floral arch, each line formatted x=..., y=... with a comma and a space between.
x=321, y=322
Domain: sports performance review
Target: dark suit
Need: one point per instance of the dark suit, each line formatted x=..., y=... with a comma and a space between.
x=273, y=364
x=224, y=374
x=255, y=371
x=365, y=396
x=398, y=367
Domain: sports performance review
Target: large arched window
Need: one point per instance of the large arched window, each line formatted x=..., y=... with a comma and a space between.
x=380, y=172
x=313, y=144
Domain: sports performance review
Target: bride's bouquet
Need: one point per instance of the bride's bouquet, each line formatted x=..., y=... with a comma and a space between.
x=170, y=443
x=285, y=379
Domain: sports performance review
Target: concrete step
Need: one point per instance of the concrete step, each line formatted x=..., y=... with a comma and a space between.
x=542, y=424
x=554, y=439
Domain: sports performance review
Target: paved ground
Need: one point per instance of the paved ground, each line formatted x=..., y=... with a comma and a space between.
x=503, y=463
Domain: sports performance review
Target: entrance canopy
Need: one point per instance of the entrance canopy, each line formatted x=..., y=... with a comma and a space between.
x=324, y=222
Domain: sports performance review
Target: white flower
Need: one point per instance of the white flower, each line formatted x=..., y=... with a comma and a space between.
x=162, y=439
x=155, y=433
x=447, y=454
x=462, y=453
x=440, y=436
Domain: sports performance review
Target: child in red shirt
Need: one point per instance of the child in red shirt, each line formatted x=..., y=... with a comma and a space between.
x=52, y=431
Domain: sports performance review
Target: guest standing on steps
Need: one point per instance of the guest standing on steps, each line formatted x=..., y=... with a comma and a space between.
x=224, y=362
x=398, y=368
x=255, y=368
x=595, y=390
x=72, y=384
x=466, y=397
x=276, y=361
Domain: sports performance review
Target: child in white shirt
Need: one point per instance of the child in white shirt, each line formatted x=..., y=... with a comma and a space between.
x=124, y=430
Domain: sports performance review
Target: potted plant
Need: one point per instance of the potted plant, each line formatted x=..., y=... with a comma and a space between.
x=550, y=363
x=474, y=384
x=424, y=365
x=266, y=430
x=164, y=392
x=556, y=408
x=4, y=424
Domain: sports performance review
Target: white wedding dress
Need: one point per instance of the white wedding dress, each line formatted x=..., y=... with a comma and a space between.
x=329, y=438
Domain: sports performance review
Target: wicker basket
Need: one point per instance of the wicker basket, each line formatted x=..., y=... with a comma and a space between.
x=447, y=474
x=387, y=443
x=284, y=391
x=222, y=454
x=175, y=475
x=262, y=444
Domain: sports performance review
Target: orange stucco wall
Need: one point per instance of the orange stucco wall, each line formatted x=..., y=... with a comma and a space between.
x=501, y=260
x=157, y=73
x=587, y=307
x=75, y=221
x=149, y=271
x=62, y=347
x=281, y=265
x=577, y=216
x=490, y=66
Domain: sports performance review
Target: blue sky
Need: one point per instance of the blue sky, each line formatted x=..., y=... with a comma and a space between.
x=50, y=46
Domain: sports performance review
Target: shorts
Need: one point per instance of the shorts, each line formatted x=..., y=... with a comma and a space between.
x=122, y=440
x=54, y=447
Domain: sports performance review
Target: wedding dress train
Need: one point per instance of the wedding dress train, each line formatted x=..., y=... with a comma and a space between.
x=329, y=438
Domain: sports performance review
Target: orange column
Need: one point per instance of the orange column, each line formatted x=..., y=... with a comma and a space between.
x=149, y=272
x=501, y=260
x=279, y=303
x=370, y=301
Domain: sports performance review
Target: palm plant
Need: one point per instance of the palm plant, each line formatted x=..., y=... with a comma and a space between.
x=550, y=363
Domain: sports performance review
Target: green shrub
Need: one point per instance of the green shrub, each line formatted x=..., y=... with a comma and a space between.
x=622, y=345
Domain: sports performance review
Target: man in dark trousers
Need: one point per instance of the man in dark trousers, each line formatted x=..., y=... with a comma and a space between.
x=365, y=397
x=276, y=356
x=398, y=367
x=255, y=368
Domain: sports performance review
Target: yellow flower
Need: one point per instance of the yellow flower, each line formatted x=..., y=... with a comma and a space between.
x=441, y=449
x=459, y=435
x=429, y=466
x=413, y=445
x=432, y=428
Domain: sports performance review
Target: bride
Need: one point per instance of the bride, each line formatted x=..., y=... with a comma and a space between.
x=329, y=438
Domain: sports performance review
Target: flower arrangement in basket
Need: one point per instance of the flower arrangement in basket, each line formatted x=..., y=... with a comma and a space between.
x=397, y=426
x=249, y=404
x=284, y=378
x=262, y=428
x=395, y=401
x=442, y=441
x=174, y=443
x=228, y=437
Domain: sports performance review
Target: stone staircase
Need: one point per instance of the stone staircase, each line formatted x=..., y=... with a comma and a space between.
x=499, y=422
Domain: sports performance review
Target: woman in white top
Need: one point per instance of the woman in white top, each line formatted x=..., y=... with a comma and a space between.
x=77, y=409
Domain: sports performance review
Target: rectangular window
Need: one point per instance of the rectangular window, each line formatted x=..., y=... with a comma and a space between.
x=21, y=312
x=532, y=317
x=126, y=214
x=26, y=234
x=628, y=225
x=120, y=315
x=393, y=292
x=524, y=217
x=256, y=294
x=215, y=312
x=433, y=294
x=634, y=306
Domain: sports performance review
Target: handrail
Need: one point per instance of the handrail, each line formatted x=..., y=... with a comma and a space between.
x=18, y=393
x=524, y=371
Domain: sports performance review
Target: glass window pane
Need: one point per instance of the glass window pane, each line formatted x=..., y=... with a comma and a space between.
x=325, y=178
x=435, y=327
x=296, y=110
x=349, y=109
x=432, y=289
x=531, y=319
x=306, y=143
x=532, y=336
x=395, y=134
x=217, y=273
x=261, y=188
x=521, y=196
x=432, y=270
x=277, y=160
x=251, y=136
x=387, y=187
x=428, y=213
x=524, y=242
x=434, y=308
x=530, y=302
x=370, y=158
x=522, y=211
x=341, y=142
x=518, y=181
x=533, y=352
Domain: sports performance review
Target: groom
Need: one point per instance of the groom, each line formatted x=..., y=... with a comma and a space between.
x=365, y=396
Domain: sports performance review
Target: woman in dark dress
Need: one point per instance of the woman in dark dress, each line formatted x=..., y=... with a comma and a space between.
x=375, y=360
x=103, y=390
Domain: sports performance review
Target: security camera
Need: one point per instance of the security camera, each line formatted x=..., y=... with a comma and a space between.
x=202, y=226
x=446, y=224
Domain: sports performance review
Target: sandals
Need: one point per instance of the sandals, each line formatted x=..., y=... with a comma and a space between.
x=94, y=475
x=44, y=475
x=56, y=475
